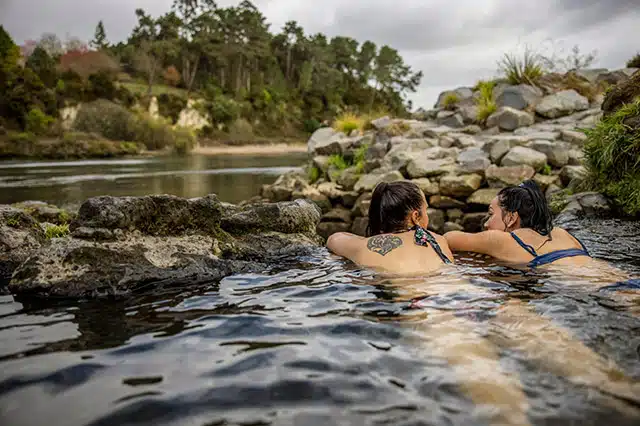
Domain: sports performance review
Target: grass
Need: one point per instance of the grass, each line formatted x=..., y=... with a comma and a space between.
x=56, y=231
x=313, y=174
x=485, y=102
x=348, y=122
x=140, y=89
x=450, y=100
x=522, y=70
x=359, y=158
x=546, y=170
x=13, y=222
x=612, y=158
x=338, y=161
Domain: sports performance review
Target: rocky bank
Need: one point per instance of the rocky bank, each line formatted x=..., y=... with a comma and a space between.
x=120, y=245
x=460, y=163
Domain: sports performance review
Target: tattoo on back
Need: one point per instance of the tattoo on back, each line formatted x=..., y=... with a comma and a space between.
x=383, y=244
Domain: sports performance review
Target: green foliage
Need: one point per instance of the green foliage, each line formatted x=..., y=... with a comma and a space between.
x=222, y=110
x=99, y=41
x=43, y=66
x=241, y=130
x=348, y=122
x=311, y=125
x=338, y=161
x=56, y=231
x=546, y=170
x=170, y=105
x=634, y=62
x=359, y=158
x=450, y=100
x=106, y=118
x=313, y=174
x=558, y=201
x=101, y=86
x=612, y=157
x=485, y=101
x=522, y=70
x=37, y=122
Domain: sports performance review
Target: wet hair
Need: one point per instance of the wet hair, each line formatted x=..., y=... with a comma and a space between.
x=531, y=205
x=391, y=203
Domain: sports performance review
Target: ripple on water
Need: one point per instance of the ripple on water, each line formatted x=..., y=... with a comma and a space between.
x=317, y=341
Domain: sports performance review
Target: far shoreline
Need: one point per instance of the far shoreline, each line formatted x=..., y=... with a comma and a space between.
x=250, y=149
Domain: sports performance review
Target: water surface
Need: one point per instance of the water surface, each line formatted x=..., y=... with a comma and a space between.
x=317, y=341
x=233, y=177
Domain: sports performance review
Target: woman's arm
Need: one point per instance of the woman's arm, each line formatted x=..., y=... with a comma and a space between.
x=493, y=243
x=345, y=244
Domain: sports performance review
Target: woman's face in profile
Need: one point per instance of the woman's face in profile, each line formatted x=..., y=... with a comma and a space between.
x=494, y=220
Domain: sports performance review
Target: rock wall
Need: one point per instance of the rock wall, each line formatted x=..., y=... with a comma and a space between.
x=121, y=245
x=458, y=163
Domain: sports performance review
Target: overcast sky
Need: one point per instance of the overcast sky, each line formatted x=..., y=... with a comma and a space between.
x=454, y=42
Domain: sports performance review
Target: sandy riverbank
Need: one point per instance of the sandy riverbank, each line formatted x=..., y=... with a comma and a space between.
x=270, y=149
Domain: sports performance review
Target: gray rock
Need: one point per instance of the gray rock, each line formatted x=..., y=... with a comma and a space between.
x=436, y=220
x=455, y=215
x=510, y=119
x=450, y=119
x=425, y=167
x=545, y=181
x=338, y=143
x=436, y=132
x=591, y=74
x=469, y=114
x=321, y=162
x=574, y=137
x=522, y=155
x=374, y=155
x=20, y=236
x=401, y=153
x=368, y=182
x=499, y=177
x=519, y=97
x=472, y=222
x=576, y=157
x=557, y=152
x=43, y=212
x=473, y=160
x=320, y=137
x=535, y=134
x=464, y=141
x=359, y=226
x=570, y=174
x=338, y=214
x=562, y=103
x=312, y=194
x=472, y=129
x=592, y=203
x=382, y=123
x=444, y=202
x=336, y=195
x=283, y=187
x=460, y=185
x=452, y=226
x=462, y=93
x=348, y=178
x=428, y=187
x=483, y=197
x=361, y=208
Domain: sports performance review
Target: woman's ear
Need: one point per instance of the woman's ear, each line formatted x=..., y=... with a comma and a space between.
x=512, y=221
x=415, y=217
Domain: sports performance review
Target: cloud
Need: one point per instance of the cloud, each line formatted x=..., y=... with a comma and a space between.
x=453, y=42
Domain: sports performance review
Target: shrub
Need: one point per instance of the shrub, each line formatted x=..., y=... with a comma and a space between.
x=125, y=97
x=311, y=125
x=43, y=65
x=313, y=174
x=184, y=140
x=106, y=118
x=172, y=76
x=612, y=157
x=450, y=100
x=170, y=105
x=348, y=122
x=101, y=86
x=338, y=161
x=359, y=158
x=546, y=170
x=634, y=62
x=56, y=231
x=525, y=70
x=485, y=102
x=222, y=110
x=241, y=130
x=37, y=122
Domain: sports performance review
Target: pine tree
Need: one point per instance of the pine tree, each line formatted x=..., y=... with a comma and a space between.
x=100, y=41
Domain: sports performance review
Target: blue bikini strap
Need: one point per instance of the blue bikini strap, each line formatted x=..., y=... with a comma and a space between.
x=525, y=246
x=581, y=243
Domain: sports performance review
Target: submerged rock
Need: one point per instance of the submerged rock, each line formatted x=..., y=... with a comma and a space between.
x=126, y=244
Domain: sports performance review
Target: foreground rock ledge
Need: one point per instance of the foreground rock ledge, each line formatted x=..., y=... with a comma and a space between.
x=120, y=245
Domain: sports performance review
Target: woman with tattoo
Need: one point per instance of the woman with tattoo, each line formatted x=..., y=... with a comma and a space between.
x=397, y=238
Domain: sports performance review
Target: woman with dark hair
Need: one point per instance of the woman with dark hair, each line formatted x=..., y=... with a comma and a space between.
x=397, y=237
x=519, y=229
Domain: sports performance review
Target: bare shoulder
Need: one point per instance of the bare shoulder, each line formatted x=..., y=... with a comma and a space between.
x=384, y=244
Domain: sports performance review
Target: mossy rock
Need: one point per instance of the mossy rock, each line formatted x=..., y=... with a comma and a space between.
x=624, y=93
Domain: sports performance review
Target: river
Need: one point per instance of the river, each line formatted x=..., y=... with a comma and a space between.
x=233, y=177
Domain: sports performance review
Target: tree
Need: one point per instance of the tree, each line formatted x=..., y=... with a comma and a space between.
x=51, y=44
x=43, y=66
x=100, y=41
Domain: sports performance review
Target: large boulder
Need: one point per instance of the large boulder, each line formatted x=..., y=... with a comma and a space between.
x=427, y=186
x=445, y=202
x=623, y=93
x=572, y=175
x=432, y=162
x=519, y=97
x=43, y=212
x=404, y=151
x=346, y=178
x=20, y=236
x=522, y=155
x=574, y=137
x=436, y=220
x=473, y=160
x=462, y=95
x=164, y=240
x=337, y=195
x=562, y=103
x=312, y=194
x=483, y=197
x=367, y=183
x=545, y=181
x=507, y=118
x=499, y=177
x=557, y=152
x=469, y=113
x=460, y=185
x=322, y=137
x=450, y=119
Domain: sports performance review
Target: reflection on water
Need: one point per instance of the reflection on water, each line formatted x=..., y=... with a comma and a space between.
x=317, y=341
x=233, y=177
